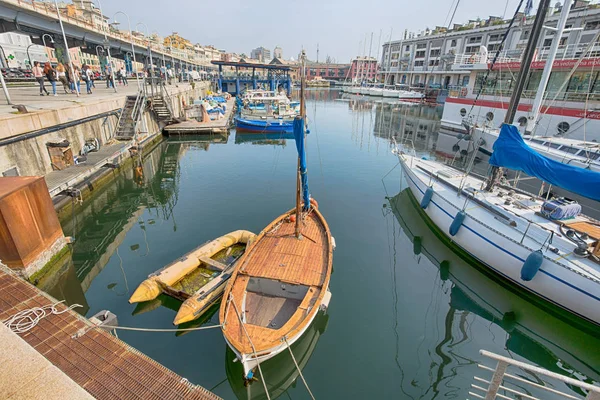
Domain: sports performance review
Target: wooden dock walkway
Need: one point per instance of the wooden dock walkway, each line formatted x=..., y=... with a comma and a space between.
x=193, y=127
x=103, y=365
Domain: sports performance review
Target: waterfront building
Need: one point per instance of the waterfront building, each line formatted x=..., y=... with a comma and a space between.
x=336, y=72
x=262, y=54
x=278, y=52
x=15, y=46
x=364, y=68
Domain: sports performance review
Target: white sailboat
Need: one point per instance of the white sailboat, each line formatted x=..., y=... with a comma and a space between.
x=546, y=247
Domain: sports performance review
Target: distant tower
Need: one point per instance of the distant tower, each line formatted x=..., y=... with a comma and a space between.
x=317, y=53
x=277, y=52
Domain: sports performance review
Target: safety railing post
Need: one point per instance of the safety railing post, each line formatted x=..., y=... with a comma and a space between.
x=496, y=381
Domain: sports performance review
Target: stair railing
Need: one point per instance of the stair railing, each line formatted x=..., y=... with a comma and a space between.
x=137, y=112
x=164, y=93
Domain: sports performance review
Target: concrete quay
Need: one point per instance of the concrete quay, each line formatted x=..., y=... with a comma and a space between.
x=66, y=356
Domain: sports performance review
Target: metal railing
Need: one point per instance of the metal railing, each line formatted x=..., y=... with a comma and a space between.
x=505, y=384
x=137, y=112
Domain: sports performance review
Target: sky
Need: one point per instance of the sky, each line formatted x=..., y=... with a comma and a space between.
x=337, y=26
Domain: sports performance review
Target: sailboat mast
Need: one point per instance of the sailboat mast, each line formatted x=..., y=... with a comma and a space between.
x=297, y=232
x=539, y=96
x=538, y=25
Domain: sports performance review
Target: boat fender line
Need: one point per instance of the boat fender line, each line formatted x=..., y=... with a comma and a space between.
x=457, y=223
x=427, y=197
x=532, y=265
x=314, y=203
x=417, y=244
x=333, y=246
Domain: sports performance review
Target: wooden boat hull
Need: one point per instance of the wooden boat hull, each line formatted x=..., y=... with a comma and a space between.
x=277, y=288
x=161, y=281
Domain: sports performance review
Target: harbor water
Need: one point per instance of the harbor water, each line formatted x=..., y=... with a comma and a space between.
x=408, y=313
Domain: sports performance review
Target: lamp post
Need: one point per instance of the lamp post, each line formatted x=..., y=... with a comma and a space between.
x=137, y=78
x=4, y=88
x=62, y=28
x=172, y=58
x=107, y=46
x=151, y=61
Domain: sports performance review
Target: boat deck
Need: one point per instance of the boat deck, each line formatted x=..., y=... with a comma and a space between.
x=282, y=257
x=98, y=362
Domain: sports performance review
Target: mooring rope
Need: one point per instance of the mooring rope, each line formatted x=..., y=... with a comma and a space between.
x=129, y=328
x=298, y=368
x=262, y=377
x=26, y=320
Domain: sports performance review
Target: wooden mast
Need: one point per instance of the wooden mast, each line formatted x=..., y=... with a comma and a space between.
x=297, y=232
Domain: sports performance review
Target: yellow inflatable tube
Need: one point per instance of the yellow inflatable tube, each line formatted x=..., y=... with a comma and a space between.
x=177, y=270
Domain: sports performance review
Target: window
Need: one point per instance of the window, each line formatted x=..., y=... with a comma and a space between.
x=472, y=49
x=474, y=39
x=419, y=63
x=434, y=63
x=525, y=35
x=407, y=48
x=465, y=81
x=563, y=41
x=453, y=43
x=495, y=38
x=522, y=121
x=463, y=112
x=494, y=47
x=422, y=46
x=592, y=25
x=563, y=127
x=434, y=53
x=420, y=54
x=489, y=116
x=547, y=42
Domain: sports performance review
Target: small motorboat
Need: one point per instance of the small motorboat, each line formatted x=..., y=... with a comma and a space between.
x=198, y=278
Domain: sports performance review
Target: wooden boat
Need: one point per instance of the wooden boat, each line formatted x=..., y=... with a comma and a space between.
x=198, y=278
x=281, y=282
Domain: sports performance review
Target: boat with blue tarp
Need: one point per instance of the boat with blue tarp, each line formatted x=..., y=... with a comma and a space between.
x=263, y=111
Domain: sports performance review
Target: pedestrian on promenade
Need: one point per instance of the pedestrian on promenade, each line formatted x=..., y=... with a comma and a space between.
x=109, y=79
x=119, y=77
x=77, y=76
x=69, y=75
x=87, y=76
x=124, y=76
x=62, y=77
x=51, y=76
x=38, y=73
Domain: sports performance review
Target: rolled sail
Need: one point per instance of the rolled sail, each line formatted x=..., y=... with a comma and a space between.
x=511, y=151
x=299, y=137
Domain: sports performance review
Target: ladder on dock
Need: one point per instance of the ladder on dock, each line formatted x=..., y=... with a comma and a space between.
x=161, y=104
x=131, y=114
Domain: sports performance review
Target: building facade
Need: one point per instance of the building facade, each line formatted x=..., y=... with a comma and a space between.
x=445, y=58
x=278, y=52
x=334, y=72
x=363, y=69
x=262, y=54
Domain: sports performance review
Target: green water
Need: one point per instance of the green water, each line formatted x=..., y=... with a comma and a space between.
x=407, y=317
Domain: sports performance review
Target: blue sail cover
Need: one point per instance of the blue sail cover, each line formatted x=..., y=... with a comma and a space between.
x=510, y=151
x=299, y=137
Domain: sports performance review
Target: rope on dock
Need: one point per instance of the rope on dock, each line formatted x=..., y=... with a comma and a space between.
x=26, y=320
x=262, y=377
x=129, y=328
x=298, y=368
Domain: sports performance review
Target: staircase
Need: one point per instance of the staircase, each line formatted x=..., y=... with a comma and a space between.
x=162, y=111
x=130, y=115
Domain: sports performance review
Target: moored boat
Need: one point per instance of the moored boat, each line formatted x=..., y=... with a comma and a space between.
x=282, y=280
x=198, y=278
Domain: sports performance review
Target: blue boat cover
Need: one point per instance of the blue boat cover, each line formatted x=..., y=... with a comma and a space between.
x=299, y=137
x=510, y=151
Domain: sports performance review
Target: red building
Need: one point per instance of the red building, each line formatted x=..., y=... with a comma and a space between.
x=334, y=72
x=364, y=68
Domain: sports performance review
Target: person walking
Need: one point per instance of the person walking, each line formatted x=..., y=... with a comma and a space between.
x=69, y=78
x=77, y=77
x=38, y=73
x=62, y=77
x=51, y=76
x=87, y=76
x=124, y=76
x=119, y=77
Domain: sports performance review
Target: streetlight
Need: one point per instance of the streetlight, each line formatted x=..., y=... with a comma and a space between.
x=150, y=52
x=32, y=44
x=4, y=88
x=137, y=78
x=171, y=50
x=62, y=28
x=107, y=45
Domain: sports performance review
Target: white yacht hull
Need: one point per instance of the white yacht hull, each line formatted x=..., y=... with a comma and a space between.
x=376, y=92
x=494, y=245
x=249, y=362
x=392, y=93
x=410, y=95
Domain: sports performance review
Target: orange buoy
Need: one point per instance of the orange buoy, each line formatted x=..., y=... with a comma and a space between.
x=293, y=218
x=314, y=203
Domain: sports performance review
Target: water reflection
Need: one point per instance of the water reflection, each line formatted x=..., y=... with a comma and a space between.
x=280, y=372
x=545, y=337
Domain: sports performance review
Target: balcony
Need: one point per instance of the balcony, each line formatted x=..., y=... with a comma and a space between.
x=470, y=62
